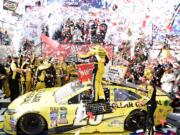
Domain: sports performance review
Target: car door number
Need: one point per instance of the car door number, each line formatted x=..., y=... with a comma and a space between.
x=81, y=118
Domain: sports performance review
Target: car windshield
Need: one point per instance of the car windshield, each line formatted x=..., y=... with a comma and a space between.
x=67, y=90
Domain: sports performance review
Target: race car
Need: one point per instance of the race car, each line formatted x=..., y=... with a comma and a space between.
x=70, y=108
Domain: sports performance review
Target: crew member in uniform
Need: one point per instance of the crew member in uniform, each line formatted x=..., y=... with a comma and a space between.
x=14, y=85
x=22, y=64
x=50, y=78
x=41, y=74
x=64, y=71
x=148, y=72
x=60, y=67
x=26, y=75
x=151, y=107
x=166, y=54
x=2, y=75
x=150, y=81
x=100, y=58
x=58, y=73
x=6, y=86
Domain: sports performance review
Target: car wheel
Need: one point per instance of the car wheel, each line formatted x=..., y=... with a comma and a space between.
x=32, y=124
x=135, y=120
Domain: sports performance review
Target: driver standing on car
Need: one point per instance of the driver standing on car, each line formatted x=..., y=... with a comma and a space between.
x=100, y=59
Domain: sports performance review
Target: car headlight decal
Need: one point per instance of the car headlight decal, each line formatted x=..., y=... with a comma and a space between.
x=11, y=111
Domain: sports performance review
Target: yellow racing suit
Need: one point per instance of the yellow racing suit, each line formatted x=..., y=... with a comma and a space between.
x=7, y=91
x=148, y=73
x=41, y=74
x=100, y=58
x=166, y=54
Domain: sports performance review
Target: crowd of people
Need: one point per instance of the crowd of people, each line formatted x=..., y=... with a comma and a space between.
x=165, y=69
x=23, y=74
x=166, y=74
x=84, y=31
x=49, y=73
x=26, y=73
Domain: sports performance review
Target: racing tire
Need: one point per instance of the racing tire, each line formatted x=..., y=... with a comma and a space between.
x=135, y=120
x=32, y=124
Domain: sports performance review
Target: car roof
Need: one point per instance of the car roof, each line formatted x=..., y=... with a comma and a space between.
x=141, y=88
x=128, y=84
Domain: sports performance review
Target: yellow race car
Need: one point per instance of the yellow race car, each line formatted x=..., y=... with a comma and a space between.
x=70, y=108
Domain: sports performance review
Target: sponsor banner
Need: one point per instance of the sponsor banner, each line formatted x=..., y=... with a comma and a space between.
x=85, y=72
x=52, y=48
x=116, y=73
x=49, y=42
x=72, y=3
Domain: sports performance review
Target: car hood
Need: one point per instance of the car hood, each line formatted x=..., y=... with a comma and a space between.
x=34, y=99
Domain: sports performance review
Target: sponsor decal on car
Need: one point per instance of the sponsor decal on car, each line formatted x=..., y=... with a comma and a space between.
x=121, y=105
x=54, y=116
x=37, y=97
x=63, y=116
x=83, y=118
x=33, y=97
x=115, y=123
x=28, y=98
x=12, y=123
